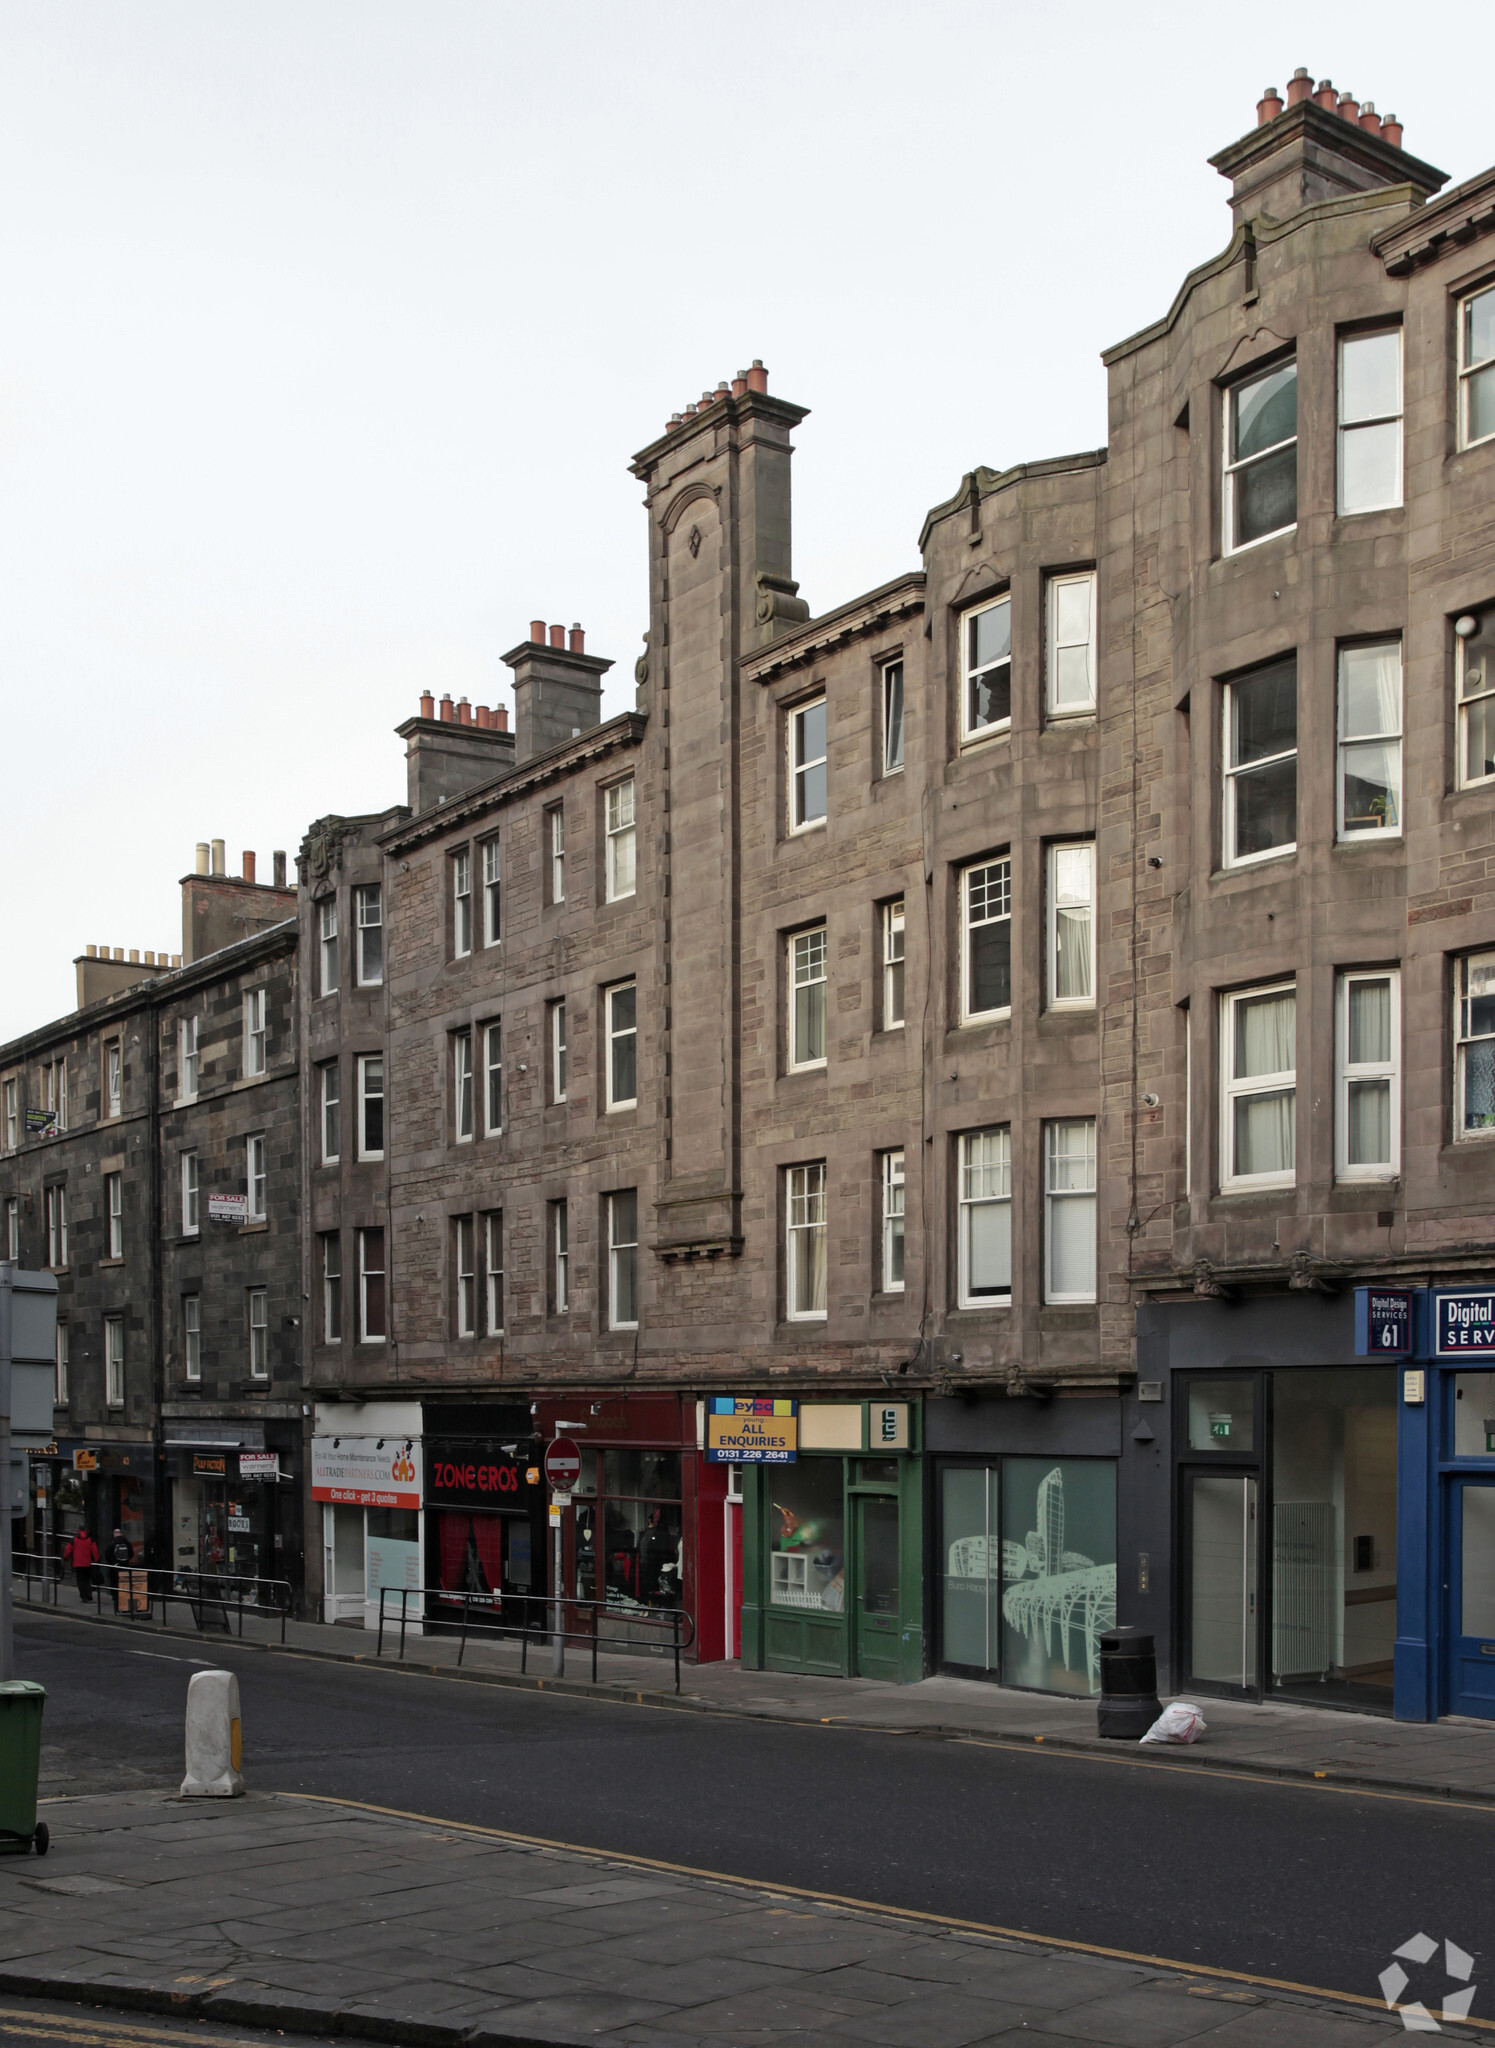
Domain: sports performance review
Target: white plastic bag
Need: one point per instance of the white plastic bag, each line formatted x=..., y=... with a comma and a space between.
x=1178, y=1723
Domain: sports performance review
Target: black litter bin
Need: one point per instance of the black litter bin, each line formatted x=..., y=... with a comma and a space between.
x=1129, y=1702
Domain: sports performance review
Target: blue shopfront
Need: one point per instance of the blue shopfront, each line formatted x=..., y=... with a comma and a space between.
x=1445, y=1643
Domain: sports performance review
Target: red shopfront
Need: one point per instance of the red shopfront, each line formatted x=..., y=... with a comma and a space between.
x=649, y=1527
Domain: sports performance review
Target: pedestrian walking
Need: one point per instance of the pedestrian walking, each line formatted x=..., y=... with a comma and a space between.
x=83, y=1554
x=120, y=1553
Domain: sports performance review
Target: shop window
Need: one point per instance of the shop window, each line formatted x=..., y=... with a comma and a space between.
x=1071, y=648
x=1370, y=741
x=892, y=718
x=892, y=1222
x=192, y=1337
x=622, y=1045
x=1474, y=1054
x=113, y=1076
x=1071, y=927
x=985, y=1204
x=114, y=1361
x=371, y=1305
x=1261, y=457
x=622, y=1247
x=1477, y=367
x=187, y=1059
x=190, y=1210
x=256, y=1034
x=807, y=766
x=1474, y=1415
x=1370, y=421
x=1258, y=1032
x=986, y=686
x=560, y=1259
x=1368, y=1030
x=1069, y=1210
x=368, y=904
x=332, y=1112
x=807, y=1536
x=493, y=1267
x=114, y=1215
x=327, y=944
x=986, y=941
x=805, y=1230
x=256, y=1155
x=631, y=1500
x=622, y=862
x=371, y=1106
x=1222, y=1416
x=60, y=1357
x=464, y=1260
x=1028, y=1547
x=259, y=1334
x=1261, y=763
x=493, y=928
x=892, y=965
x=807, y=985
x=332, y=1287
x=493, y=1079
x=1475, y=684
x=462, y=1086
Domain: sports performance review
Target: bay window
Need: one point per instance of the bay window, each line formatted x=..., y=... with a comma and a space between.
x=462, y=1086
x=327, y=944
x=368, y=906
x=372, y=1326
x=464, y=1241
x=371, y=1106
x=892, y=965
x=493, y=929
x=892, y=717
x=462, y=903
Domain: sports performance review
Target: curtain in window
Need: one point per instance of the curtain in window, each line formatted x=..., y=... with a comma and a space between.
x=812, y=1270
x=1369, y=1120
x=1264, y=1132
x=1072, y=1250
x=1266, y=1035
x=989, y=1258
x=1370, y=1022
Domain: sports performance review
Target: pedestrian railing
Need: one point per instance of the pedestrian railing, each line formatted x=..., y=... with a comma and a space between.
x=607, y=1627
x=135, y=1590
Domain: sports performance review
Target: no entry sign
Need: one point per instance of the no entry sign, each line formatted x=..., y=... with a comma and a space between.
x=562, y=1465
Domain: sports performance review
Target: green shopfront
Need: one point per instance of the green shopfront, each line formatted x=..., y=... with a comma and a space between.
x=832, y=1546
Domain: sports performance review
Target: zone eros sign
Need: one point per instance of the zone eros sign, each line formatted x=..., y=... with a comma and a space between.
x=464, y=1481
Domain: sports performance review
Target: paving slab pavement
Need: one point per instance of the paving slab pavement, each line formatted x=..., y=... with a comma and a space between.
x=318, y=1916
x=1447, y=1759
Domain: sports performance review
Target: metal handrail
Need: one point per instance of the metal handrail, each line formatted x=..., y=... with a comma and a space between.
x=482, y=1614
x=137, y=1588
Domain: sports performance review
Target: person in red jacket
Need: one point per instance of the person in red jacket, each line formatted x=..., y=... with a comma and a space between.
x=83, y=1553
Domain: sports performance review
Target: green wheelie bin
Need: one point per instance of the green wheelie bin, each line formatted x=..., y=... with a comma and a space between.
x=21, y=1701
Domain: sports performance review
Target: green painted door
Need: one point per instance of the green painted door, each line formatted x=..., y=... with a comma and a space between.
x=877, y=1619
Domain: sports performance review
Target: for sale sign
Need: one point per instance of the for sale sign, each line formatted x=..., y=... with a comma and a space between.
x=751, y=1431
x=228, y=1208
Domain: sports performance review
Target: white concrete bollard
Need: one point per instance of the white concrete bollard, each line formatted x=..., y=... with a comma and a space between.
x=214, y=1740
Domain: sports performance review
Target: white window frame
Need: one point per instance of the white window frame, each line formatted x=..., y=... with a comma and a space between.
x=493, y=907
x=462, y=1102
x=558, y=1075
x=804, y=1195
x=13, y=1228
x=256, y=1032
x=1232, y=1182
x=894, y=964
x=57, y=1247
x=1054, y=1196
x=189, y=1059
x=1463, y=1039
x=1229, y=857
x=894, y=696
x=615, y=1037
x=1467, y=370
x=331, y=1111
x=367, y=1273
x=968, y=928
x=114, y=1361
x=191, y=1196
x=621, y=1250
x=557, y=816
x=54, y=1092
x=1072, y=580
x=1053, y=908
x=983, y=1179
x=327, y=944
x=462, y=902
x=894, y=1199
x=12, y=1114
x=192, y=1338
x=368, y=897
x=332, y=1286
x=493, y=1270
x=1483, y=694
x=970, y=674
x=465, y=1269
x=622, y=840
x=366, y=1095
x=60, y=1359
x=1231, y=469
x=560, y=1251
x=1346, y=741
x=256, y=1177
x=114, y=1215
x=1347, y=427
x=114, y=1076
x=804, y=956
x=1345, y=1074
x=800, y=765
x=258, y=1307
x=493, y=1079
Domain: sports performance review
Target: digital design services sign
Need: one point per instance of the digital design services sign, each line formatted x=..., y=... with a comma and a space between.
x=1464, y=1323
x=1383, y=1322
x=751, y=1432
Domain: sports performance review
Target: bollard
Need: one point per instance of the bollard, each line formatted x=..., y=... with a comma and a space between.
x=214, y=1741
x=1128, y=1703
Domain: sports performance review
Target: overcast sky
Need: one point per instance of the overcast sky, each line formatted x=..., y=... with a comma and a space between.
x=327, y=331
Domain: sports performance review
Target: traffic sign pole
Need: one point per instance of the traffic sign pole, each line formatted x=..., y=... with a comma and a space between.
x=562, y=1470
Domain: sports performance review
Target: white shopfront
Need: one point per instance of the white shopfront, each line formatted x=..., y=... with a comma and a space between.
x=366, y=1471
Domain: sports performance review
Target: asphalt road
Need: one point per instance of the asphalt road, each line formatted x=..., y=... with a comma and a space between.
x=1305, y=1884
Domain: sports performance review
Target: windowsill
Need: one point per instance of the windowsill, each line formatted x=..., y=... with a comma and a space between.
x=628, y=1108
x=253, y=1224
x=1255, y=862
x=1059, y=721
x=889, y=1297
x=1233, y=1190
x=370, y=1159
x=361, y=987
x=998, y=1304
x=610, y=902
x=371, y=1343
x=1349, y=1183
x=1069, y=1303
x=1460, y=1140
x=190, y=1237
x=971, y=740
x=1367, y=511
x=1248, y=547
x=1372, y=836
x=184, y=1101
x=620, y=1330
x=806, y=831
x=105, y=1264
x=985, y=1017
x=810, y=1067
x=1061, y=1011
x=322, y=1165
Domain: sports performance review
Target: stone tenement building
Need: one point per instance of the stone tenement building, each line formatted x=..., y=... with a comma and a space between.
x=1007, y=1014
x=149, y=1156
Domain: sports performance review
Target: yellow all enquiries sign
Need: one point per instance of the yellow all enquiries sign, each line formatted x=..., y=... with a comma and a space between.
x=751, y=1432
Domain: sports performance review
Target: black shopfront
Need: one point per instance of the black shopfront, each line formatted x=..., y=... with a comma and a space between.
x=485, y=1512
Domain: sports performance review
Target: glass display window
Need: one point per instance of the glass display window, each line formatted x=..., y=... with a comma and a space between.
x=1474, y=1414
x=1222, y=1415
x=807, y=1535
x=629, y=1515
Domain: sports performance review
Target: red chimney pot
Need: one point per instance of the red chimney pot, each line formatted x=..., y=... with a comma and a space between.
x=757, y=376
x=674, y=423
x=1391, y=131
x=578, y=642
x=1349, y=108
x=1326, y=96
x=1370, y=120
x=501, y=717
x=1268, y=107
x=448, y=709
x=464, y=712
x=427, y=704
x=557, y=636
x=249, y=867
x=537, y=631
x=739, y=384
x=1299, y=87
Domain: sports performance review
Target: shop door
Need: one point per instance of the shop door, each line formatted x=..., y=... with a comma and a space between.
x=876, y=1647
x=1222, y=1571
x=1471, y=1597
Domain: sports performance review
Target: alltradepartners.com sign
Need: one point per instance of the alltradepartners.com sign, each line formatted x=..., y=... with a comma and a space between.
x=1465, y=1322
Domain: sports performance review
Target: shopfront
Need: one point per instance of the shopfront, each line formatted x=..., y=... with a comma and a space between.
x=367, y=1485
x=832, y=1546
x=485, y=1516
x=235, y=1501
x=79, y=1483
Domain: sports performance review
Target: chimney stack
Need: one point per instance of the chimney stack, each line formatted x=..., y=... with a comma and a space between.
x=248, y=867
x=557, y=690
x=1321, y=146
x=278, y=868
